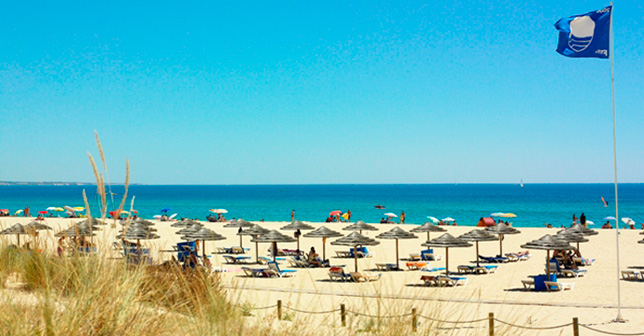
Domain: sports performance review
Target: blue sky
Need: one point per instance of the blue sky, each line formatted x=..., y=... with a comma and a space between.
x=333, y=92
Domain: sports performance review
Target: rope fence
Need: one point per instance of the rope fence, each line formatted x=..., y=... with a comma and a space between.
x=414, y=319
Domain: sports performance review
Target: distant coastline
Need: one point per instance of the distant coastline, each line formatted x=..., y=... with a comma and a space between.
x=46, y=183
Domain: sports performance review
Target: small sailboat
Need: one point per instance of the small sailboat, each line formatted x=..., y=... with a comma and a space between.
x=521, y=183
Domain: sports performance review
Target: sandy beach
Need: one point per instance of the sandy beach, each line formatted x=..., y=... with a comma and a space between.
x=593, y=299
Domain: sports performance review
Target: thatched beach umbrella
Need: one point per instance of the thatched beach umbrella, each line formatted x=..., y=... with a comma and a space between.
x=192, y=228
x=324, y=233
x=428, y=227
x=476, y=236
x=137, y=234
x=547, y=243
x=571, y=238
x=16, y=229
x=360, y=226
x=396, y=233
x=297, y=225
x=254, y=231
x=140, y=221
x=501, y=229
x=273, y=237
x=75, y=231
x=580, y=229
x=446, y=241
x=184, y=223
x=203, y=235
x=240, y=224
x=355, y=239
x=94, y=222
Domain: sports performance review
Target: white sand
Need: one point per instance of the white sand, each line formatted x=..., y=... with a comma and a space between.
x=593, y=300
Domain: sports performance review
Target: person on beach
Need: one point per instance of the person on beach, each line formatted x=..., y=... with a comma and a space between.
x=607, y=225
x=383, y=221
x=26, y=213
x=582, y=219
x=349, y=215
x=313, y=258
x=61, y=246
x=293, y=215
x=402, y=217
x=574, y=219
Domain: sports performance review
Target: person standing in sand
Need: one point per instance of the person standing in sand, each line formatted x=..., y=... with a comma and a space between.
x=582, y=219
x=402, y=217
x=349, y=215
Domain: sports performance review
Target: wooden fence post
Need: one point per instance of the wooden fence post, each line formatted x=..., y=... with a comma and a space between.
x=279, y=309
x=343, y=315
x=414, y=319
x=575, y=326
x=491, y=323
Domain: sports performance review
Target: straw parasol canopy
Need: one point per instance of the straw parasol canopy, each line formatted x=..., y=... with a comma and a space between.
x=273, y=237
x=396, y=233
x=16, y=229
x=501, y=229
x=476, y=236
x=203, y=235
x=254, y=231
x=297, y=225
x=580, y=229
x=36, y=226
x=548, y=242
x=139, y=221
x=75, y=231
x=428, y=227
x=184, y=223
x=571, y=237
x=446, y=241
x=192, y=228
x=355, y=239
x=360, y=226
x=94, y=221
x=324, y=233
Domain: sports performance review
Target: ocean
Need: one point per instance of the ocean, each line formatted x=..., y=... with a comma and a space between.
x=534, y=204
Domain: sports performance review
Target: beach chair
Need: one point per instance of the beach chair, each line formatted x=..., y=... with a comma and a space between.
x=429, y=280
x=265, y=260
x=415, y=265
x=366, y=277
x=343, y=254
x=465, y=268
x=222, y=250
x=256, y=272
x=427, y=268
x=583, y=261
x=236, y=250
x=632, y=275
x=444, y=280
x=281, y=273
x=494, y=259
x=414, y=256
x=184, y=248
x=486, y=269
x=528, y=284
x=236, y=259
x=386, y=267
x=428, y=255
x=337, y=273
x=558, y=286
x=569, y=273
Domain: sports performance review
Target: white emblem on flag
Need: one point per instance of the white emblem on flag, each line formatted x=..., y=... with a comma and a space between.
x=582, y=29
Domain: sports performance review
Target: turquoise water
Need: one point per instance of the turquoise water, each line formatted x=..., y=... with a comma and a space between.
x=534, y=204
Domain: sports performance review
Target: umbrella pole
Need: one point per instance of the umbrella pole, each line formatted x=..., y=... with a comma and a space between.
x=355, y=256
x=274, y=250
x=18, y=235
x=447, y=261
x=428, y=235
x=203, y=250
x=240, y=242
x=323, y=250
x=397, y=258
x=548, y=265
x=578, y=246
x=500, y=244
x=256, y=252
x=477, y=254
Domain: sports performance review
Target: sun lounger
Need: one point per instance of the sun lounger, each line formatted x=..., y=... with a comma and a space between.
x=414, y=256
x=528, y=284
x=583, y=261
x=451, y=281
x=236, y=259
x=465, y=268
x=343, y=254
x=428, y=255
x=281, y=273
x=361, y=252
x=366, y=277
x=415, y=265
x=386, y=267
x=572, y=273
x=266, y=260
x=632, y=275
x=486, y=269
x=429, y=280
x=521, y=256
x=337, y=273
x=256, y=272
x=494, y=259
x=432, y=269
x=558, y=286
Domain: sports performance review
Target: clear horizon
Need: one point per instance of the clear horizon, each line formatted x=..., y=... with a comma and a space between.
x=328, y=93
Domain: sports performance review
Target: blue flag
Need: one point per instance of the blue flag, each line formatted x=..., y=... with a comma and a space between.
x=585, y=35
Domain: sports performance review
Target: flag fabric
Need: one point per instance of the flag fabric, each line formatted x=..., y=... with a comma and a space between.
x=585, y=35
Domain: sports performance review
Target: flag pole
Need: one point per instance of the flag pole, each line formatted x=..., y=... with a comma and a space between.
x=619, y=317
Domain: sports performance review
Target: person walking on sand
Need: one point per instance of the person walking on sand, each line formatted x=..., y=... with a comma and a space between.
x=26, y=213
x=402, y=217
x=349, y=215
x=293, y=215
x=582, y=219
